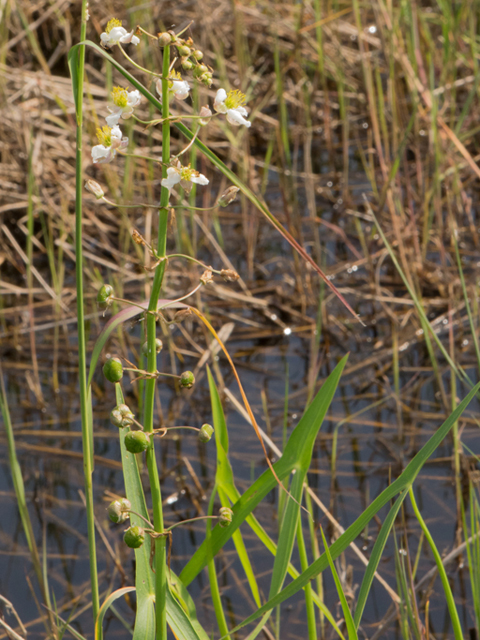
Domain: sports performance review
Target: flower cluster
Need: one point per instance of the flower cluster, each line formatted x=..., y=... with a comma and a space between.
x=110, y=138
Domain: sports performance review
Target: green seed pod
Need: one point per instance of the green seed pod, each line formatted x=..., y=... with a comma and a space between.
x=136, y=441
x=118, y=510
x=187, y=380
x=199, y=70
x=198, y=55
x=206, y=79
x=187, y=64
x=164, y=39
x=158, y=347
x=121, y=416
x=225, y=517
x=183, y=50
x=113, y=370
x=205, y=433
x=134, y=537
x=104, y=296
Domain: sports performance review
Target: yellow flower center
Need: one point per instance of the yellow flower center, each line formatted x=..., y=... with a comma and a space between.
x=112, y=24
x=174, y=75
x=187, y=173
x=104, y=136
x=234, y=99
x=120, y=97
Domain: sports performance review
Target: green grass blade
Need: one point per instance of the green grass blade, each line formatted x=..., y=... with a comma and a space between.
x=375, y=557
x=119, y=593
x=179, y=621
x=291, y=459
x=457, y=627
x=403, y=482
x=352, y=632
x=179, y=591
x=19, y=488
x=226, y=479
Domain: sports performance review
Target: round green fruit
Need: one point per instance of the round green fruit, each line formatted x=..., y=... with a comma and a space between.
x=134, y=537
x=113, y=370
x=136, y=441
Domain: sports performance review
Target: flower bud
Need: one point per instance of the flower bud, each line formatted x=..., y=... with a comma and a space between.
x=229, y=275
x=199, y=70
x=136, y=441
x=205, y=433
x=94, y=188
x=206, y=277
x=183, y=50
x=206, y=79
x=187, y=380
x=198, y=55
x=158, y=347
x=186, y=64
x=104, y=296
x=228, y=196
x=164, y=39
x=118, y=510
x=134, y=537
x=121, y=416
x=225, y=517
x=113, y=370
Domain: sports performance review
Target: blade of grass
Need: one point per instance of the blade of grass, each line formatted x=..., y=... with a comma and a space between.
x=292, y=459
x=352, y=632
x=77, y=64
x=457, y=627
x=404, y=481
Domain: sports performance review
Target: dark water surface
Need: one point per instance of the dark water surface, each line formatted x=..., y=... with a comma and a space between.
x=378, y=433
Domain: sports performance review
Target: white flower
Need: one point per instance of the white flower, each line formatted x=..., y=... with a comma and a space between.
x=232, y=105
x=177, y=87
x=110, y=140
x=115, y=33
x=183, y=175
x=124, y=101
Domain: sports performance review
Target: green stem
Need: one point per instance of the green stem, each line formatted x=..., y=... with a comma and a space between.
x=87, y=434
x=160, y=542
x=151, y=73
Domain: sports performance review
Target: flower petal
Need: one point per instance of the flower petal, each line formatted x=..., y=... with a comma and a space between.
x=236, y=118
x=173, y=178
x=219, y=104
x=200, y=179
x=101, y=154
x=114, y=117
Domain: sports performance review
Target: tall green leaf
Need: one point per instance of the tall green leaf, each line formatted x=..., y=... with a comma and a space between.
x=403, y=482
x=293, y=458
x=144, y=578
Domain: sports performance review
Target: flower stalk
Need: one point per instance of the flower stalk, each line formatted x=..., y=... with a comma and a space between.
x=87, y=431
x=160, y=541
